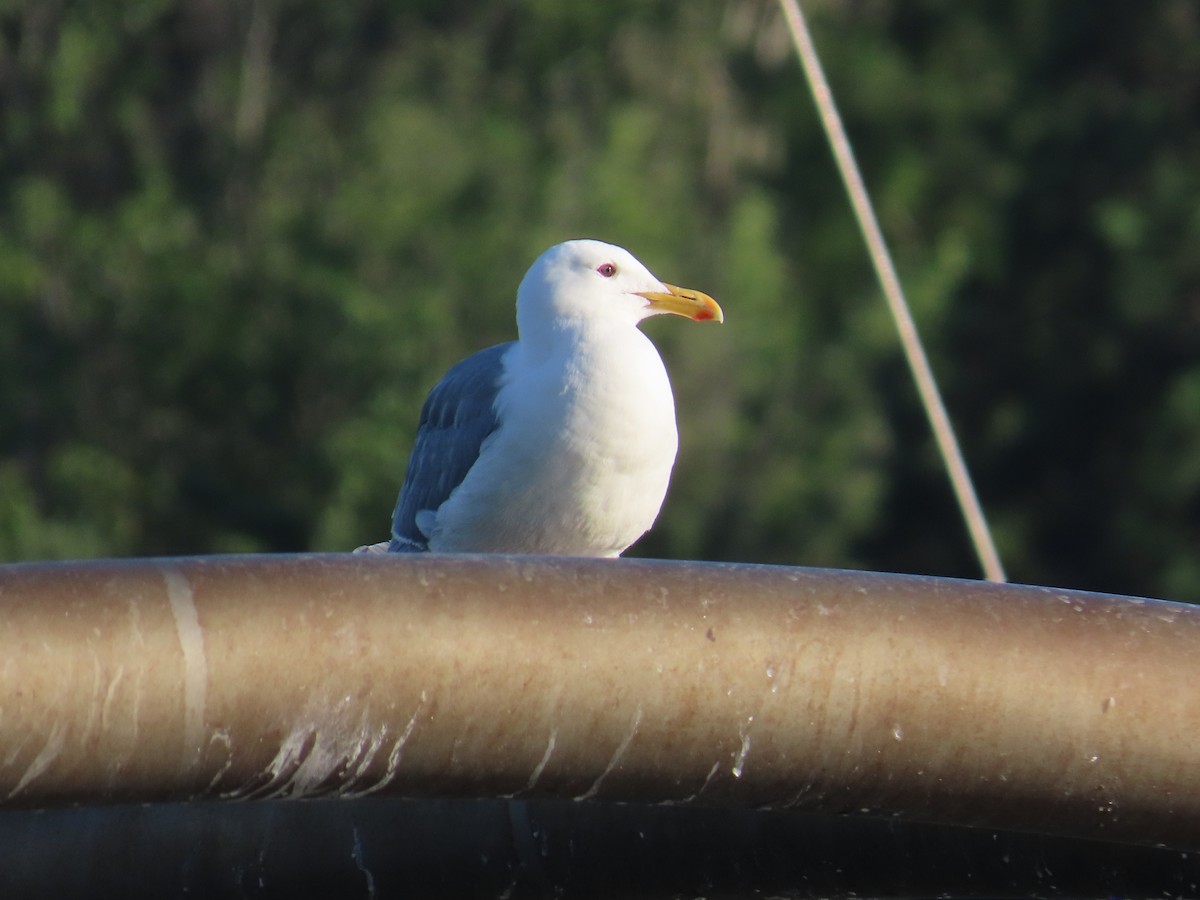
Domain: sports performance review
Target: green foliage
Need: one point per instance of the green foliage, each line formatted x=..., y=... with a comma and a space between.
x=240, y=241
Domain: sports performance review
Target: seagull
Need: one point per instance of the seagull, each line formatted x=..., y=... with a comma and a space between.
x=562, y=441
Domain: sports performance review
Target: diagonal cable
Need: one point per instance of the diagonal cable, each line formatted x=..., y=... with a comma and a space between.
x=943, y=431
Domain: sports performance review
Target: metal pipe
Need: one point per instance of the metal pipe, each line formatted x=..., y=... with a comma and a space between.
x=684, y=683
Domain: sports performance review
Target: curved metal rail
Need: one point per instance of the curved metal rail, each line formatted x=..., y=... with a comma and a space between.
x=652, y=682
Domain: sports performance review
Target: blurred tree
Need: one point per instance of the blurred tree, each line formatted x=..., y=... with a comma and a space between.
x=240, y=241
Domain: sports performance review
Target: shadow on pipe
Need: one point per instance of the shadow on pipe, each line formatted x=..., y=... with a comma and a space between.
x=495, y=848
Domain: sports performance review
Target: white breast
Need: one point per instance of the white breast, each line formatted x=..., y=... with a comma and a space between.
x=582, y=457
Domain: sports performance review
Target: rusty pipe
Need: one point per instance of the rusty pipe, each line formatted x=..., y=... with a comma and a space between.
x=683, y=683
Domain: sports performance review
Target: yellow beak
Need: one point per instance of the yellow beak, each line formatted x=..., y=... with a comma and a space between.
x=684, y=302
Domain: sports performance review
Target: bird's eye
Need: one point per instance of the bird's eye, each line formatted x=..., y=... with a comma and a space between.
x=608, y=270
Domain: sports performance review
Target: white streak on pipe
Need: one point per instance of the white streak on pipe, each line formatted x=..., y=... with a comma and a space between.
x=739, y=761
x=42, y=761
x=393, y=763
x=716, y=767
x=540, y=767
x=109, y=696
x=612, y=763
x=367, y=756
x=195, y=665
x=221, y=736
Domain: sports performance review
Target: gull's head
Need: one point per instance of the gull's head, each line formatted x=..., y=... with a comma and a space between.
x=594, y=282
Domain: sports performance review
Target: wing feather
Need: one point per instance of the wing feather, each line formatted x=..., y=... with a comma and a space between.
x=456, y=419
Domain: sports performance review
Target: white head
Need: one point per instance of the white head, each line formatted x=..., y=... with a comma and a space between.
x=581, y=283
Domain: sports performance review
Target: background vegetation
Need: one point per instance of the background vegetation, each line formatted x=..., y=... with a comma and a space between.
x=240, y=240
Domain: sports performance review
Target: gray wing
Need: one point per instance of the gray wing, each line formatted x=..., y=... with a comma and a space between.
x=456, y=418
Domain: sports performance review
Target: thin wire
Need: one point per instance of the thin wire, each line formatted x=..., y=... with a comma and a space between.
x=943, y=431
